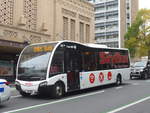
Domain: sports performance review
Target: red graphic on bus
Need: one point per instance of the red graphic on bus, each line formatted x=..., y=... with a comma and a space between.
x=92, y=78
x=106, y=58
x=101, y=77
x=109, y=76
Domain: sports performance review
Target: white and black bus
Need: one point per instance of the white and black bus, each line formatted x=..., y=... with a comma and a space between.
x=64, y=66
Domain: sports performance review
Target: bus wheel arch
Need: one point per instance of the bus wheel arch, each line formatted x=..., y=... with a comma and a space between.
x=119, y=79
x=58, y=89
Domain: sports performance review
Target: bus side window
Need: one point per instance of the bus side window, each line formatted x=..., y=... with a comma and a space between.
x=57, y=65
x=54, y=68
x=89, y=61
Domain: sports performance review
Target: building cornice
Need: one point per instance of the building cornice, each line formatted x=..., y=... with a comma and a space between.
x=83, y=3
x=25, y=30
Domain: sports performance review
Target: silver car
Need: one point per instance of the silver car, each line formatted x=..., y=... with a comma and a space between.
x=4, y=91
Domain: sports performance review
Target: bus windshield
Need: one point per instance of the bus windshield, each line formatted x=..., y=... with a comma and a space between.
x=33, y=62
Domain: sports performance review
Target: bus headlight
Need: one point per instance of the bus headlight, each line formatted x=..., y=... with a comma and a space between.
x=43, y=84
x=17, y=83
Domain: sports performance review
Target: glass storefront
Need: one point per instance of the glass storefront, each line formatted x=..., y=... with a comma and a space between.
x=9, y=52
x=6, y=68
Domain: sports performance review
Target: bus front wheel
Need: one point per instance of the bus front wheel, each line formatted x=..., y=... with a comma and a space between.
x=24, y=94
x=58, y=90
x=119, y=80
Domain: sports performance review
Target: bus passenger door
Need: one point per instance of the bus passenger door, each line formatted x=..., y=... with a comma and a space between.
x=73, y=67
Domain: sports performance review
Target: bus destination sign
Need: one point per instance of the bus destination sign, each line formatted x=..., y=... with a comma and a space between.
x=38, y=49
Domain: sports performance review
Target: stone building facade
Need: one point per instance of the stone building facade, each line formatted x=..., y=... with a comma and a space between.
x=23, y=22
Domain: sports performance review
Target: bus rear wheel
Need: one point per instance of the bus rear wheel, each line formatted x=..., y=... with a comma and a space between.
x=58, y=90
x=119, y=80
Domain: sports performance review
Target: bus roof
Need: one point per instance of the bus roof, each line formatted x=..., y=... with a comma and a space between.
x=96, y=45
x=93, y=45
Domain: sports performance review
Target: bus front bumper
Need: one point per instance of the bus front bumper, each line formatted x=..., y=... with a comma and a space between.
x=35, y=89
x=25, y=89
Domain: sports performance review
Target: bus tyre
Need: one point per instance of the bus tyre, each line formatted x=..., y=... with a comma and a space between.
x=24, y=94
x=131, y=78
x=58, y=90
x=119, y=80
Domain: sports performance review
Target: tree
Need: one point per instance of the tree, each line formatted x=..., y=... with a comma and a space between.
x=137, y=38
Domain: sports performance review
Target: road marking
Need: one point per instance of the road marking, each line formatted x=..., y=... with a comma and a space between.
x=147, y=80
x=129, y=105
x=54, y=102
x=16, y=96
x=119, y=87
x=135, y=84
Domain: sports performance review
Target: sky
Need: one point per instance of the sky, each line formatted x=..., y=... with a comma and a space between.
x=144, y=4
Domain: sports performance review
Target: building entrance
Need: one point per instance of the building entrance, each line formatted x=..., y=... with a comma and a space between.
x=9, y=52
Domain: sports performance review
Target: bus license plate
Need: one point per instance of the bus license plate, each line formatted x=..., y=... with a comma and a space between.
x=29, y=91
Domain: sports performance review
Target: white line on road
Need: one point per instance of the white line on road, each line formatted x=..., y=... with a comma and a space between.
x=147, y=80
x=135, y=84
x=16, y=96
x=54, y=102
x=119, y=87
x=129, y=105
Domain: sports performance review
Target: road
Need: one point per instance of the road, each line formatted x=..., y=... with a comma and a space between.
x=131, y=97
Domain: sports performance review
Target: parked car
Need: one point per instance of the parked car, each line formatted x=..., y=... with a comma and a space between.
x=140, y=69
x=4, y=91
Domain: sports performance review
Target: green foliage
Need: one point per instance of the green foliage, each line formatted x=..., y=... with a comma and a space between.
x=131, y=44
x=137, y=39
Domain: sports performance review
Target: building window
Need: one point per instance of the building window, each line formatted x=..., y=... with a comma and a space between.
x=100, y=28
x=87, y=32
x=65, y=28
x=81, y=32
x=128, y=25
x=6, y=11
x=112, y=7
x=128, y=16
x=99, y=8
x=30, y=12
x=101, y=18
x=72, y=30
x=128, y=6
